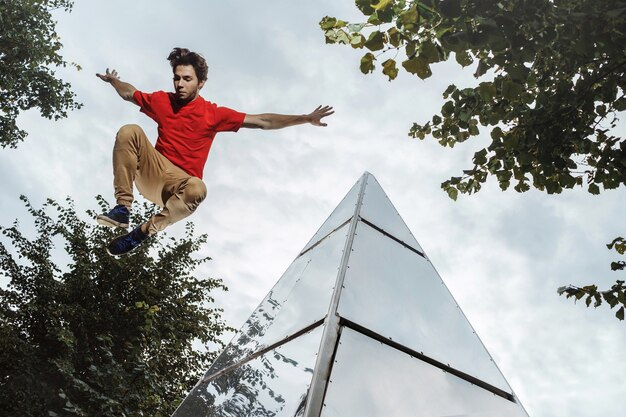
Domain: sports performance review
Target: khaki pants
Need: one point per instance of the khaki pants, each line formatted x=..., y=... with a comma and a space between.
x=136, y=161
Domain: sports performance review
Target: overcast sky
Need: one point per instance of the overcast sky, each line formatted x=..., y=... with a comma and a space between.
x=502, y=255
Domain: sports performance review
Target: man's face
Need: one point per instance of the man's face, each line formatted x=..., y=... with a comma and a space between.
x=186, y=84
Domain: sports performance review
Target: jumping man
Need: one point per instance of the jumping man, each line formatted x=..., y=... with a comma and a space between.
x=170, y=173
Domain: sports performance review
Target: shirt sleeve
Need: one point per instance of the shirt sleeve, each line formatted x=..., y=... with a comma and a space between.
x=228, y=120
x=145, y=103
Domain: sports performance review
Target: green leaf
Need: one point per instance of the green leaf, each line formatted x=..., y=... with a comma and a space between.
x=409, y=17
x=619, y=244
x=330, y=36
x=518, y=73
x=429, y=52
x=620, y=313
x=382, y=16
x=487, y=91
x=389, y=69
x=375, y=41
x=480, y=157
x=328, y=23
x=511, y=90
x=610, y=298
x=450, y=8
x=367, y=63
x=365, y=6
x=463, y=58
x=357, y=41
x=355, y=27
x=447, y=109
x=450, y=90
x=481, y=69
x=394, y=36
x=598, y=300
x=342, y=37
x=453, y=193
x=382, y=4
x=456, y=41
x=417, y=66
x=594, y=189
x=465, y=115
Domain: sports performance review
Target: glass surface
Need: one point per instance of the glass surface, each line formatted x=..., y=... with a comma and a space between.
x=396, y=293
x=300, y=298
x=370, y=379
x=378, y=210
x=340, y=214
x=272, y=385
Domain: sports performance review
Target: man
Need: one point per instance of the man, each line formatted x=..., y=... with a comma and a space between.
x=170, y=173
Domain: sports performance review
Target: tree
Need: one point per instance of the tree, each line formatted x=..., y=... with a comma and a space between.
x=98, y=336
x=29, y=53
x=552, y=83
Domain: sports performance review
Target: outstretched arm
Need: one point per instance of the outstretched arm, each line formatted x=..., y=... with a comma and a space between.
x=125, y=90
x=279, y=121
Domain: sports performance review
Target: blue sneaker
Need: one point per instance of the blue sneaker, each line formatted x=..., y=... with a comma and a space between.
x=126, y=243
x=117, y=217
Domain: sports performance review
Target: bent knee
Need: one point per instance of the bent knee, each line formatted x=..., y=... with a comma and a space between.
x=129, y=131
x=195, y=191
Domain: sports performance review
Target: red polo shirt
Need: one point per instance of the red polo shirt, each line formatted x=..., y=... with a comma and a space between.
x=186, y=134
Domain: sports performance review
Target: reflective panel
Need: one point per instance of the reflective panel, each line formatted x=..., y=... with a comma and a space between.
x=272, y=385
x=395, y=292
x=300, y=298
x=378, y=210
x=342, y=213
x=370, y=379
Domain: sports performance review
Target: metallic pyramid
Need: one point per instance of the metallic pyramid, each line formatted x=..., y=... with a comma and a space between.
x=360, y=324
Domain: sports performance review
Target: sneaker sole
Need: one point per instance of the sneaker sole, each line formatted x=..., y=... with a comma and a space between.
x=105, y=221
x=114, y=255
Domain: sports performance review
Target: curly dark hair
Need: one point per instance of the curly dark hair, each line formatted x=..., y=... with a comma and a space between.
x=183, y=56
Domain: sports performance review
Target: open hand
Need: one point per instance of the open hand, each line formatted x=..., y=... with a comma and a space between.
x=109, y=76
x=319, y=113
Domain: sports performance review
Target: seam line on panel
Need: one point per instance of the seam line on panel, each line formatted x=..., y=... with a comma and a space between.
x=261, y=352
x=447, y=368
x=325, y=236
x=392, y=237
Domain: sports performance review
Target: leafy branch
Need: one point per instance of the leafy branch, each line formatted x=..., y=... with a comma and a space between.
x=546, y=88
x=615, y=296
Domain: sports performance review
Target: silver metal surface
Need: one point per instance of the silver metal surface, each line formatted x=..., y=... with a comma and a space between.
x=332, y=329
x=370, y=379
x=398, y=294
x=379, y=210
x=272, y=385
x=361, y=325
x=300, y=298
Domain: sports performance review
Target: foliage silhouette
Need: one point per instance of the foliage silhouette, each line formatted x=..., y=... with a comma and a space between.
x=29, y=53
x=100, y=336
